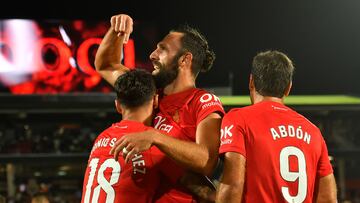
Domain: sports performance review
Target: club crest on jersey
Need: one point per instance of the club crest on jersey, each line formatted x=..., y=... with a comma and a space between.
x=176, y=116
x=226, y=135
x=160, y=124
x=209, y=100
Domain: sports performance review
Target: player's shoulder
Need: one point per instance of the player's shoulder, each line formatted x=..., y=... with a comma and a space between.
x=200, y=92
x=243, y=114
x=235, y=111
x=106, y=132
x=114, y=129
x=243, y=110
x=203, y=96
x=308, y=122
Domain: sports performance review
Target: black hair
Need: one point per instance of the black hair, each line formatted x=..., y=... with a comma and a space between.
x=196, y=43
x=135, y=88
x=272, y=72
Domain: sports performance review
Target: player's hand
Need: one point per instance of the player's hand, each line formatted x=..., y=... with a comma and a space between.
x=123, y=25
x=131, y=144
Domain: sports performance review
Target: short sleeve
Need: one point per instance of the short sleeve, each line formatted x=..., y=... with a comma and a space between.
x=232, y=134
x=324, y=166
x=205, y=104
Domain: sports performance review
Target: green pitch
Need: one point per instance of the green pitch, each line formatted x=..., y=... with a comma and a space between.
x=298, y=100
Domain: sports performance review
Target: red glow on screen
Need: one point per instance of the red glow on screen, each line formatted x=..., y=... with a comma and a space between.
x=52, y=56
x=83, y=55
x=23, y=88
x=129, y=52
x=61, y=57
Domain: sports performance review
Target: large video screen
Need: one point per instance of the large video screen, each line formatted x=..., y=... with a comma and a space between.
x=57, y=56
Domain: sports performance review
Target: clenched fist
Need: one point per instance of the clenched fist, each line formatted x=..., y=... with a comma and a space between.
x=123, y=25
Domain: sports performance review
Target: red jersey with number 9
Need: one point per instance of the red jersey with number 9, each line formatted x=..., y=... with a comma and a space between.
x=107, y=180
x=285, y=153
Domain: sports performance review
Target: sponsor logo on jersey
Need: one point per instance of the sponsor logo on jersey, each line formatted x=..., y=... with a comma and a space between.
x=209, y=100
x=160, y=124
x=226, y=135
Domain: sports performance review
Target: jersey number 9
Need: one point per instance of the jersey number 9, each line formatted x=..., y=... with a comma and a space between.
x=292, y=176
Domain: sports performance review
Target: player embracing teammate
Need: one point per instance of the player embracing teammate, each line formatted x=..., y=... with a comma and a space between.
x=270, y=152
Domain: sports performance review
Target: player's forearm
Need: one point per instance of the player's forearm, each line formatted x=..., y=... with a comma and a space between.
x=327, y=197
x=108, y=57
x=191, y=155
x=109, y=51
x=233, y=178
x=229, y=193
x=326, y=190
x=326, y=200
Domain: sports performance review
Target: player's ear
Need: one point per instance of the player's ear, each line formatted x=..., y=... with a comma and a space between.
x=251, y=83
x=287, y=91
x=186, y=59
x=156, y=101
x=118, y=106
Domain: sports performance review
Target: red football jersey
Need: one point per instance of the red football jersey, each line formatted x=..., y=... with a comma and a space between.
x=179, y=116
x=107, y=180
x=284, y=152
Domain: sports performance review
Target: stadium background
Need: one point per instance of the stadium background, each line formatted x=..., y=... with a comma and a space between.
x=45, y=137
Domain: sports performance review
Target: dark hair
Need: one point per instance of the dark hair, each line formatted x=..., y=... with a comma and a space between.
x=272, y=72
x=135, y=88
x=193, y=41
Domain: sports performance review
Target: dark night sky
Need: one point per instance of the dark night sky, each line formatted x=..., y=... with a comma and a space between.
x=321, y=37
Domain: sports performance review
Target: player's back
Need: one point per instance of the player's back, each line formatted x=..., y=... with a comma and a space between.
x=284, y=153
x=107, y=180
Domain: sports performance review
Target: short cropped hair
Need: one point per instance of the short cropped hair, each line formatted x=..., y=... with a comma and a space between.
x=272, y=72
x=135, y=88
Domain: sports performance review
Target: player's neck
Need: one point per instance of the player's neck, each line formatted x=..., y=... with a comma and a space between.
x=259, y=98
x=140, y=114
x=180, y=84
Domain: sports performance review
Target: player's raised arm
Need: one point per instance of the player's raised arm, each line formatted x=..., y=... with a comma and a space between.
x=108, y=57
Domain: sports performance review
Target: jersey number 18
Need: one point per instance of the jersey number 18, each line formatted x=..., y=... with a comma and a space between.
x=103, y=184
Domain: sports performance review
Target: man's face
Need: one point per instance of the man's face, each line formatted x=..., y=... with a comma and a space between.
x=165, y=59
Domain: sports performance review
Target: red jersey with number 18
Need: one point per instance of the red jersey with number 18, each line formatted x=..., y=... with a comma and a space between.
x=285, y=153
x=107, y=180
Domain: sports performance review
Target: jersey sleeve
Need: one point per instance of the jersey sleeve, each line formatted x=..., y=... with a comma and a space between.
x=232, y=134
x=205, y=104
x=166, y=166
x=324, y=166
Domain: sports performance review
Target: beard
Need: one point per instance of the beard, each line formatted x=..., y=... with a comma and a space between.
x=166, y=75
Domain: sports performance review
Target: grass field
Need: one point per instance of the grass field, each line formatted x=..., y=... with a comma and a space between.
x=299, y=100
